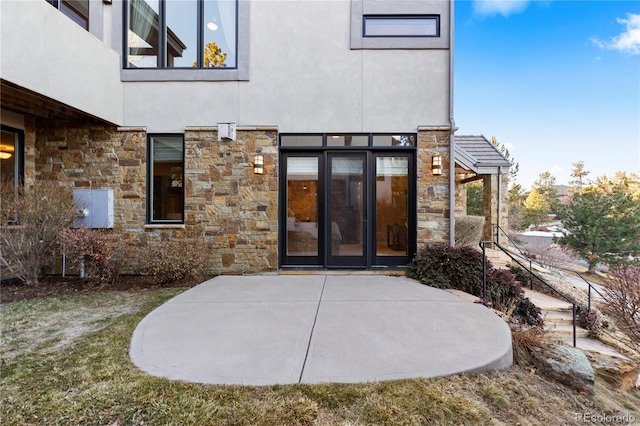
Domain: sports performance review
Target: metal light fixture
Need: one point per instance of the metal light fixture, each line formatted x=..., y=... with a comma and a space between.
x=258, y=164
x=436, y=165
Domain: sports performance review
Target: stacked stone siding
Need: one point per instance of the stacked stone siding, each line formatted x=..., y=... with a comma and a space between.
x=229, y=208
x=233, y=211
x=432, y=191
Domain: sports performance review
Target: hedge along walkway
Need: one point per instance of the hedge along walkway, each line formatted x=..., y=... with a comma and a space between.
x=265, y=330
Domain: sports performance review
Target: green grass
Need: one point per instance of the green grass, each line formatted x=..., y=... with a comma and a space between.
x=71, y=366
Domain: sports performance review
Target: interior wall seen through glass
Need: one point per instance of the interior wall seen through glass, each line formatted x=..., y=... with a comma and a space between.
x=167, y=163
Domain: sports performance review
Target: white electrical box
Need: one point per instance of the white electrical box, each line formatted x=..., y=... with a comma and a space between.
x=94, y=208
x=227, y=131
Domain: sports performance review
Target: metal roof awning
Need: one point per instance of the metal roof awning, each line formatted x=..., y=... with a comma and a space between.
x=477, y=154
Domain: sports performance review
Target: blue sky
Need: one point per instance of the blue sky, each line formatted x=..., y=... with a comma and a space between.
x=555, y=81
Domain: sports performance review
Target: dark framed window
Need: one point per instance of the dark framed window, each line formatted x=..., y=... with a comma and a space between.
x=165, y=179
x=401, y=26
x=348, y=141
x=11, y=159
x=181, y=34
x=77, y=10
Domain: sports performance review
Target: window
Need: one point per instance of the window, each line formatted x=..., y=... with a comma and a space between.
x=11, y=158
x=346, y=141
x=77, y=10
x=165, y=189
x=409, y=24
x=181, y=34
x=401, y=26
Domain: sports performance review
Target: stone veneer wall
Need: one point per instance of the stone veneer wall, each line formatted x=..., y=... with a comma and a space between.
x=492, y=184
x=226, y=205
x=432, y=191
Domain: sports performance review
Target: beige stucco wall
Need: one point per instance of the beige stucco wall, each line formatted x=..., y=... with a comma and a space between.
x=44, y=51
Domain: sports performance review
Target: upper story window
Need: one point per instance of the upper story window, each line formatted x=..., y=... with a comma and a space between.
x=401, y=26
x=181, y=34
x=77, y=10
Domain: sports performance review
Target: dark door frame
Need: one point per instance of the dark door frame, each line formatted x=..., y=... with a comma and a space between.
x=370, y=258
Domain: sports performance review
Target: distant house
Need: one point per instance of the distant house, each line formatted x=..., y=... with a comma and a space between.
x=287, y=134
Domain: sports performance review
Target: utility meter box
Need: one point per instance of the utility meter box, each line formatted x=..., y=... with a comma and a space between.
x=94, y=208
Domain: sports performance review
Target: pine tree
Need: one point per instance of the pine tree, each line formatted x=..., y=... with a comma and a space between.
x=602, y=226
x=578, y=174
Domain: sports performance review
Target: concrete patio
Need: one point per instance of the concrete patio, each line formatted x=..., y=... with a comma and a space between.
x=283, y=329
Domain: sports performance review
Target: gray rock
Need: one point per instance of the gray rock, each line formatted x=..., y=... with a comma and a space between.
x=568, y=365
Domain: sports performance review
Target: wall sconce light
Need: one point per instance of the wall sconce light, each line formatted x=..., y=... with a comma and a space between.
x=436, y=165
x=258, y=164
x=5, y=155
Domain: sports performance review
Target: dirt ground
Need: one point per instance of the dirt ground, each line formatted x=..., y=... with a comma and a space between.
x=56, y=285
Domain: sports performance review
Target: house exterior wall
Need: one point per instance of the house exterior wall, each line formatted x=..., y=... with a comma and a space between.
x=226, y=204
x=45, y=52
x=313, y=82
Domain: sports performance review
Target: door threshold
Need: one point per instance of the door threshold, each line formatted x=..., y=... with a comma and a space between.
x=390, y=272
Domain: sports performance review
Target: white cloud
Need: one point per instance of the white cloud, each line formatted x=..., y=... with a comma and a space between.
x=499, y=7
x=628, y=41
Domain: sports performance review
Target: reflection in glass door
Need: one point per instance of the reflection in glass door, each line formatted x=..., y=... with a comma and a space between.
x=347, y=216
x=347, y=209
x=392, y=206
x=302, y=224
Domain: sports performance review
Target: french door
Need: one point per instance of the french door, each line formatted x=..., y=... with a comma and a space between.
x=353, y=209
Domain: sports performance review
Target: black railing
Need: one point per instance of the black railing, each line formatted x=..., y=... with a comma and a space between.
x=590, y=287
x=513, y=257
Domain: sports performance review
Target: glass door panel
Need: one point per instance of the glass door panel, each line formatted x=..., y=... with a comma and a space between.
x=302, y=207
x=347, y=218
x=392, y=204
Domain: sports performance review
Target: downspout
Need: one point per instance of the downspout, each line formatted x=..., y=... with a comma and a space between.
x=452, y=123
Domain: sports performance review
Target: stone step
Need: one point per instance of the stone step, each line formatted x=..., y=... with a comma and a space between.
x=558, y=317
x=565, y=330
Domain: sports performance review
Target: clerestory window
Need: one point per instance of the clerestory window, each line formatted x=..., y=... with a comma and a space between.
x=181, y=34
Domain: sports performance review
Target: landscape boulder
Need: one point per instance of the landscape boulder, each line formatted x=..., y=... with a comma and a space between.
x=567, y=365
x=620, y=372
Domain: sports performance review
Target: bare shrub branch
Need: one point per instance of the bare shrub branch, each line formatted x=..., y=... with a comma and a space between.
x=468, y=230
x=622, y=302
x=31, y=221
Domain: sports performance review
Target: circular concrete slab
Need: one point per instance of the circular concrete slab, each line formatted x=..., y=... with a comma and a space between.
x=281, y=329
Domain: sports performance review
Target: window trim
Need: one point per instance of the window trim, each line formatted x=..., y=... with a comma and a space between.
x=149, y=189
x=362, y=8
x=370, y=145
x=240, y=73
x=370, y=18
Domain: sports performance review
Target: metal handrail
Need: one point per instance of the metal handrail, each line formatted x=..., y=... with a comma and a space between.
x=514, y=244
x=532, y=274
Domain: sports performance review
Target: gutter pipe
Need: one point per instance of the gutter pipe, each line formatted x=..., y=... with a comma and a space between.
x=452, y=123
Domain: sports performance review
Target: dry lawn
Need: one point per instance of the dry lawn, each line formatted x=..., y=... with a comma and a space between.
x=65, y=361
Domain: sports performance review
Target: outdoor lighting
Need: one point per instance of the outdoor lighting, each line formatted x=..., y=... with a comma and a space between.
x=436, y=165
x=258, y=164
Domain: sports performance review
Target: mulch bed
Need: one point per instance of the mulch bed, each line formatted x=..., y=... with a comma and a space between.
x=56, y=285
